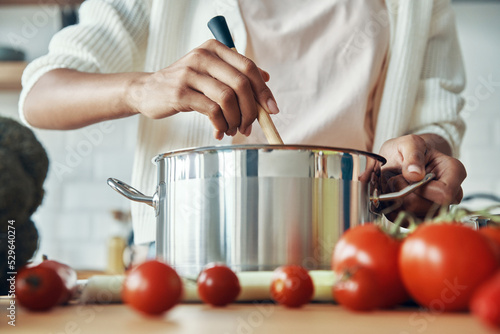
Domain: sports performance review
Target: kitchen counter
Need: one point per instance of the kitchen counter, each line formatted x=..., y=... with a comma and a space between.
x=244, y=318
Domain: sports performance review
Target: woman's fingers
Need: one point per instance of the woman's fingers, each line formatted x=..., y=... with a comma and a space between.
x=246, y=73
x=226, y=86
x=409, y=159
x=241, y=78
x=225, y=102
x=246, y=66
x=204, y=105
x=265, y=75
x=449, y=175
x=413, y=152
x=406, y=154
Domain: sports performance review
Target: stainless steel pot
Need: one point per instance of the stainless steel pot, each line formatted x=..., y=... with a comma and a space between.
x=258, y=207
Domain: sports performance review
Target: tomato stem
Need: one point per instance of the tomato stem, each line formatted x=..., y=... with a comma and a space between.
x=487, y=213
x=431, y=214
x=457, y=214
x=347, y=274
x=395, y=230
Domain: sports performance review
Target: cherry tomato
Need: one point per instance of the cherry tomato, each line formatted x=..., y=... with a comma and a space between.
x=292, y=286
x=442, y=264
x=68, y=276
x=218, y=285
x=493, y=234
x=369, y=247
x=39, y=288
x=357, y=291
x=485, y=303
x=152, y=287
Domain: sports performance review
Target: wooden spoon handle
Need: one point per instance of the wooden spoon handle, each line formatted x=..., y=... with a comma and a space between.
x=267, y=125
x=220, y=30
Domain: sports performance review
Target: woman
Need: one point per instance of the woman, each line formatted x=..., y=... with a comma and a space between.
x=374, y=75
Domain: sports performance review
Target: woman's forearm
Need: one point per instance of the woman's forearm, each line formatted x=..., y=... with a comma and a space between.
x=67, y=99
x=211, y=79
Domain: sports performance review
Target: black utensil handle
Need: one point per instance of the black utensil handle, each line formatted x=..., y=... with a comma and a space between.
x=218, y=27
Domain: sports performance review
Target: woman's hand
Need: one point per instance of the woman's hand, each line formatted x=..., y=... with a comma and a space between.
x=211, y=79
x=409, y=158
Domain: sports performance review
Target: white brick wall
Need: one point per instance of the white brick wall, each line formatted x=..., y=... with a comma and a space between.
x=479, y=33
x=75, y=220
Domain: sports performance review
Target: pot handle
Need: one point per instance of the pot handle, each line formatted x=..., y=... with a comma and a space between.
x=130, y=192
x=403, y=192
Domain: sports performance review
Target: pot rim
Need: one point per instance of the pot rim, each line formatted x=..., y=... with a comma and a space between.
x=205, y=149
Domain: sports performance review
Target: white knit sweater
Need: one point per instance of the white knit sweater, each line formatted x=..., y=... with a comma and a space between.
x=423, y=75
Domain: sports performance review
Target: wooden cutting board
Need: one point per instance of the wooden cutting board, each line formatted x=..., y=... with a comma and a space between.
x=242, y=318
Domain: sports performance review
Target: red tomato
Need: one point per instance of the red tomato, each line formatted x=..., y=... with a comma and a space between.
x=39, y=288
x=292, y=286
x=152, y=287
x=218, y=285
x=68, y=276
x=357, y=291
x=369, y=247
x=442, y=264
x=493, y=234
x=485, y=303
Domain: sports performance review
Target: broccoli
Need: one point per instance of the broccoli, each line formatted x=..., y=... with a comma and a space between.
x=23, y=169
x=17, y=189
x=22, y=142
x=26, y=244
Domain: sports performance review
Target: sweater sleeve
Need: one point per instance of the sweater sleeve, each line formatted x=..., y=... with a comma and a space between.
x=438, y=102
x=111, y=36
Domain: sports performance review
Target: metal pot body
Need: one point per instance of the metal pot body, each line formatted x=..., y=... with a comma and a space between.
x=258, y=207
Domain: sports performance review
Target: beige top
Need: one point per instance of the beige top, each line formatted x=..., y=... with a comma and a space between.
x=325, y=59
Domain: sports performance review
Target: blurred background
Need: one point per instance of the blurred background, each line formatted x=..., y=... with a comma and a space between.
x=81, y=216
